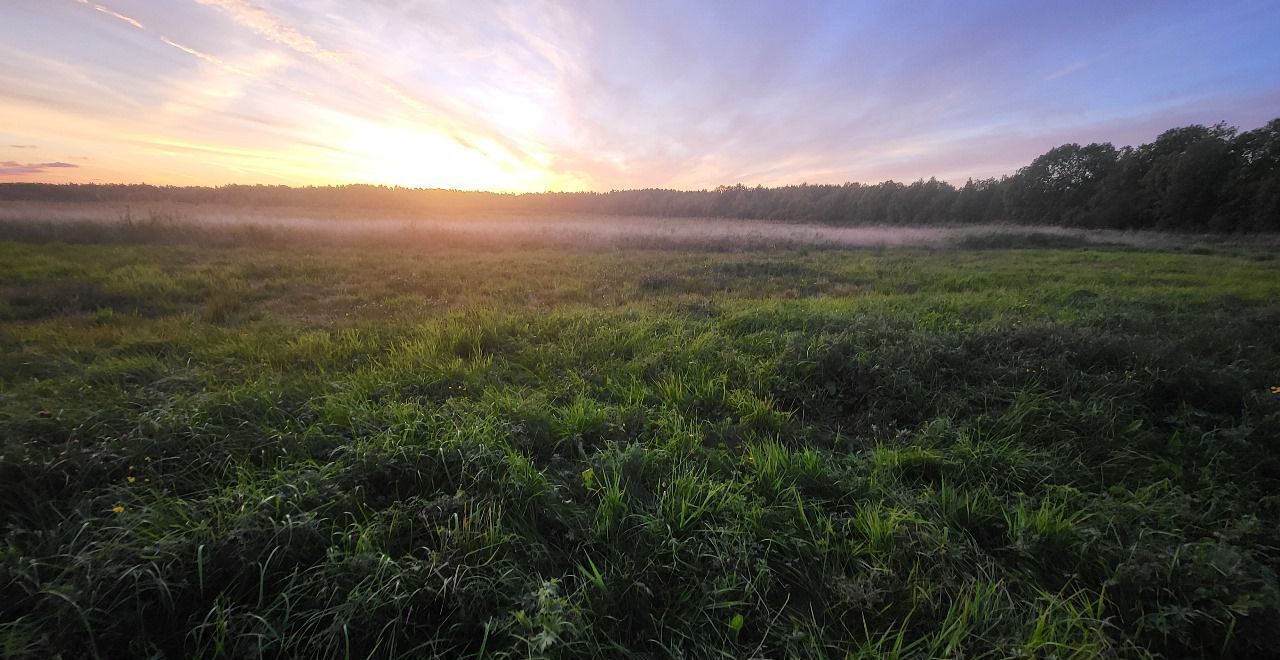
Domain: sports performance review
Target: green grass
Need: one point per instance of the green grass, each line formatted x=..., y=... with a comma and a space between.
x=319, y=451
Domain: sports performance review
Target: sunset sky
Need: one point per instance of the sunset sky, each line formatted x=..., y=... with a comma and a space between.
x=599, y=95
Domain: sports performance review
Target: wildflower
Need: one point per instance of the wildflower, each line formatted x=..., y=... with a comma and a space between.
x=132, y=478
x=1275, y=389
x=119, y=508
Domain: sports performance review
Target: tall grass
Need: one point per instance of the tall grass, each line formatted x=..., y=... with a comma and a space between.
x=353, y=452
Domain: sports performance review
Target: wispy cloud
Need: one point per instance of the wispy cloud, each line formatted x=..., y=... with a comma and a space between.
x=268, y=25
x=22, y=146
x=12, y=168
x=205, y=56
x=1071, y=68
x=439, y=111
x=114, y=14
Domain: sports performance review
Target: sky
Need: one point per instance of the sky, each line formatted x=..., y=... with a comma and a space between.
x=599, y=95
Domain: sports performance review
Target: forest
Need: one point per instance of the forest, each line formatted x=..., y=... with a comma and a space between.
x=1194, y=178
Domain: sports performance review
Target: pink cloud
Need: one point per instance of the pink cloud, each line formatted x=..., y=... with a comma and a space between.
x=14, y=168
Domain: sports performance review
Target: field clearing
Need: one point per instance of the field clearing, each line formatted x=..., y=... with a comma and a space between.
x=558, y=437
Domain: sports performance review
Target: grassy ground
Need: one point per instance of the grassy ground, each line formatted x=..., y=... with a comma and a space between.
x=349, y=452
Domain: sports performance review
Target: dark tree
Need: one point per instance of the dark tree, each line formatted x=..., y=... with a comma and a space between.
x=1253, y=191
x=1189, y=168
x=1055, y=187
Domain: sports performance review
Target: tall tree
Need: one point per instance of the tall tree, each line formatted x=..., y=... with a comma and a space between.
x=1055, y=187
x=1187, y=173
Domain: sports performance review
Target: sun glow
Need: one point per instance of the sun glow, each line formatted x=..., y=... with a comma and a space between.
x=422, y=156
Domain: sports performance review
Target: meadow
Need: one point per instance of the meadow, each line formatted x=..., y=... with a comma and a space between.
x=254, y=443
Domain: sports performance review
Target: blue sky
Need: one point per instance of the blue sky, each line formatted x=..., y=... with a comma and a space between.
x=601, y=95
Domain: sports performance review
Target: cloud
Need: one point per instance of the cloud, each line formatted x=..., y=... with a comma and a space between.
x=266, y=24
x=205, y=56
x=452, y=71
x=11, y=168
x=117, y=15
x=22, y=146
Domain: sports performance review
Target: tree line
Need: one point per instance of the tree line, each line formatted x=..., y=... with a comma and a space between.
x=1193, y=178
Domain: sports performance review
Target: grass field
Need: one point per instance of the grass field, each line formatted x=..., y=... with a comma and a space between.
x=293, y=449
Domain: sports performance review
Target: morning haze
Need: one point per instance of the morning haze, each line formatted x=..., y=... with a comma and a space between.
x=410, y=328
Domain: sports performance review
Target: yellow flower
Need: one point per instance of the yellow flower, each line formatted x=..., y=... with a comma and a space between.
x=118, y=508
x=132, y=478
